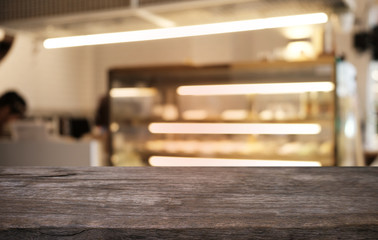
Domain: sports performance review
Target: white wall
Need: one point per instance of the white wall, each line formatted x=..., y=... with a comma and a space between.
x=215, y=49
x=158, y=52
x=50, y=80
x=72, y=80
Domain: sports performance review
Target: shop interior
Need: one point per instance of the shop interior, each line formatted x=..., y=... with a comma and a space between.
x=242, y=83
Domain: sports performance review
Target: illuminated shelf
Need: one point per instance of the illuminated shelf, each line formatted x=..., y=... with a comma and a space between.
x=146, y=121
x=226, y=162
x=235, y=128
x=266, y=110
x=256, y=88
x=312, y=157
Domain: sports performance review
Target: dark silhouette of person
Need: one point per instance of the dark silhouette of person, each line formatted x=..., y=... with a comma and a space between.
x=12, y=107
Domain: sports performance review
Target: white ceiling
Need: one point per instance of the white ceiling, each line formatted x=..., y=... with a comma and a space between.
x=126, y=15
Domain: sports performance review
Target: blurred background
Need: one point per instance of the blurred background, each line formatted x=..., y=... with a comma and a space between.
x=190, y=83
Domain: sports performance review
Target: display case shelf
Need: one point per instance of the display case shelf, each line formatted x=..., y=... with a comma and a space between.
x=273, y=111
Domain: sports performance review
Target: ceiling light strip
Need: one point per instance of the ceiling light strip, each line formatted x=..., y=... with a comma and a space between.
x=235, y=128
x=186, y=31
x=164, y=161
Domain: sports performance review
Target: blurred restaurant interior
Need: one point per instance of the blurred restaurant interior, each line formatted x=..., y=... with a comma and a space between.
x=190, y=83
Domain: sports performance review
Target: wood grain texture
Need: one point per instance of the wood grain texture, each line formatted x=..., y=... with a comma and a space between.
x=188, y=203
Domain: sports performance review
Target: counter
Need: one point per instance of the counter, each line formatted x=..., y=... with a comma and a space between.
x=188, y=203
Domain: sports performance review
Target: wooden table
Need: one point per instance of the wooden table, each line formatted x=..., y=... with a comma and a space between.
x=189, y=203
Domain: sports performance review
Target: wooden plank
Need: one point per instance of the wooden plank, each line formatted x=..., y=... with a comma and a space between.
x=189, y=203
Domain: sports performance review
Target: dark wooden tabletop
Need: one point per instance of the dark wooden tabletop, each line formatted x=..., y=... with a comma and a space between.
x=189, y=203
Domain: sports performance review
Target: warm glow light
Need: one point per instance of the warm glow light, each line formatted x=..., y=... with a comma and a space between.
x=299, y=50
x=259, y=88
x=234, y=114
x=194, y=114
x=114, y=127
x=298, y=32
x=133, y=92
x=234, y=128
x=186, y=31
x=163, y=161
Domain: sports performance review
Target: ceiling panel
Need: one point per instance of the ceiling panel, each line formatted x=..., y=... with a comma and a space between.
x=51, y=18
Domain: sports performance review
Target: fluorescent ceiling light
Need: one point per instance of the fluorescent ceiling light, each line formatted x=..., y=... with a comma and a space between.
x=132, y=92
x=186, y=31
x=163, y=161
x=259, y=88
x=235, y=128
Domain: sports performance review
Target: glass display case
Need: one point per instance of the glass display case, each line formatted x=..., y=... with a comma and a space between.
x=246, y=114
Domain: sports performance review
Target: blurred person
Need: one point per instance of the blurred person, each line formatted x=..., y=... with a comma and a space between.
x=99, y=131
x=12, y=107
x=101, y=128
x=102, y=114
